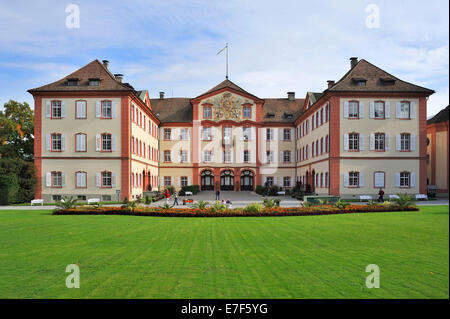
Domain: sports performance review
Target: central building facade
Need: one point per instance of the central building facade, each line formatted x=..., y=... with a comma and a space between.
x=364, y=132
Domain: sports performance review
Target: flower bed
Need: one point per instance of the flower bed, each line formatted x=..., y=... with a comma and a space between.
x=237, y=212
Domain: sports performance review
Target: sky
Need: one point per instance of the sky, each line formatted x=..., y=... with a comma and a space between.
x=274, y=46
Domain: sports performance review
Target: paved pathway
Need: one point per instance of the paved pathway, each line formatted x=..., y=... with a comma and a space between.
x=239, y=199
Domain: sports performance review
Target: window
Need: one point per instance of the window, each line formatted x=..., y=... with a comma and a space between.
x=72, y=82
x=106, y=179
x=167, y=133
x=184, y=156
x=106, y=198
x=167, y=180
x=167, y=157
x=80, y=178
x=379, y=110
x=184, y=181
x=246, y=132
x=56, y=198
x=227, y=156
x=80, y=109
x=207, y=133
x=327, y=144
x=246, y=156
x=81, y=197
x=269, y=181
x=361, y=83
x=378, y=179
x=56, y=179
x=56, y=109
x=353, y=179
x=286, y=134
x=80, y=142
x=269, y=156
x=353, y=141
x=286, y=156
x=207, y=113
x=353, y=109
x=94, y=82
x=106, y=142
x=247, y=112
x=106, y=109
x=404, y=110
x=269, y=134
x=405, y=143
x=379, y=141
x=404, y=179
x=227, y=135
x=286, y=181
x=184, y=134
x=56, y=142
x=207, y=156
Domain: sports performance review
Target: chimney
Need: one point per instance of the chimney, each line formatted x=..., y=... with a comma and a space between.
x=119, y=77
x=353, y=61
x=161, y=95
x=105, y=63
x=291, y=96
x=330, y=83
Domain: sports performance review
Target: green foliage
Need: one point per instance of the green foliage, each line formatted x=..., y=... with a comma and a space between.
x=306, y=204
x=170, y=188
x=268, y=202
x=323, y=201
x=277, y=202
x=403, y=201
x=165, y=206
x=67, y=202
x=218, y=207
x=191, y=188
x=201, y=204
x=16, y=131
x=147, y=200
x=372, y=202
x=260, y=189
x=341, y=204
x=253, y=208
x=9, y=189
x=25, y=174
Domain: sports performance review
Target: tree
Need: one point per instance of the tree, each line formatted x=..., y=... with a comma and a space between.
x=19, y=182
x=16, y=131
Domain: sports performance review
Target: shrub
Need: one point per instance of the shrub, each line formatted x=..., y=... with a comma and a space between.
x=341, y=204
x=170, y=188
x=254, y=208
x=403, y=201
x=181, y=192
x=268, y=202
x=9, y=189
x=277, y=202
x=201, y=204
x=218, y=207
x=192, y=188
x=21, y=187
x=66, y=202
x=259, y=190
x=306, y=204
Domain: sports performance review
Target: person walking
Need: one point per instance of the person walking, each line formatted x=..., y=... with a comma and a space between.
x=218, y=195
x=175, y=199
x=167, y=195
x=380, y=196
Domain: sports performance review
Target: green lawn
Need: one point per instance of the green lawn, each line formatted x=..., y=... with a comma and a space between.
x=240, y=257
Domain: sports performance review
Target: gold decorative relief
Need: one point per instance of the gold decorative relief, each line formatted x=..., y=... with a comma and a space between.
x=226, y=107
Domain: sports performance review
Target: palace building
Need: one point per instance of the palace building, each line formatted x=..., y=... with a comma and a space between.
x=98, y=137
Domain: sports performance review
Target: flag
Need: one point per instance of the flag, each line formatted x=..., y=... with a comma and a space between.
x=222, y=49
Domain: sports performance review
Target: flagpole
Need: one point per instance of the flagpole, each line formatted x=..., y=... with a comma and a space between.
x=227, y=62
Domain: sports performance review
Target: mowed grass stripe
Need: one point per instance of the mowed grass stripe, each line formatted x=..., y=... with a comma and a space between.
x=240, y=257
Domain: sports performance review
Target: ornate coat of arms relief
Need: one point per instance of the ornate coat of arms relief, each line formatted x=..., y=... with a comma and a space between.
x=226, y=107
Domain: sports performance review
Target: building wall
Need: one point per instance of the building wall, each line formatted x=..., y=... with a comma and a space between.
x=442, y=160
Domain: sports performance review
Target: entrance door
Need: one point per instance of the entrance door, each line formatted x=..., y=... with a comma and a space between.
x=207, y=181
x=227, y=180
x=246, y=181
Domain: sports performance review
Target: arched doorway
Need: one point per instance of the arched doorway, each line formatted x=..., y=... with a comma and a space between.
x=247, y=181
x=227, y=180
x=207, y=180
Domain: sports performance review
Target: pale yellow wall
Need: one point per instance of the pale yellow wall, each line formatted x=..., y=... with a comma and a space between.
x=321, y=167
x=441, y=160
x=175, y=173
x=429, y=155
x=278, y=174
x=175, y=145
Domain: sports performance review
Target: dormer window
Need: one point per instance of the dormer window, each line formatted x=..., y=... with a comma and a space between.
x=270, y=115
x=288, y=115
x=387, y=81
x=94, y=82
x=72, y=82
x=359, y=81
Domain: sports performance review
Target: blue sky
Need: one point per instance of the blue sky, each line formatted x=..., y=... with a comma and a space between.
x=275, y=46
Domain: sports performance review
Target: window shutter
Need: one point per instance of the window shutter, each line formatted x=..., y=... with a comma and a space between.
x=48, y=142
x=63, y=179
x=346, y=109
x=323, y=115
x=345, y=179
x=345, y=142
x=290, y=157
x=413, y=109
x=253, y=134
x=63, y=142
x=323, y=146
x=313, y=146
x=264, y=131
x=48, y=179
x=98, y=109
x=361, y=179
x=397, y=110
x=98, y=179
x=397, y=179
x=98, y=143
x=397, y=142
x=78, y=179
x=413, y=142
x=323, y=180
x=281, y=156
x=78, y=142
x=84, y=180
x=372, y=109
x=292, y=181
x=265, y=180
x=113, y=180
x=413, y=179
x=280, y=132
x=63, y=109
x=113, y=109
x=113, y=142
x=387, y=142
x=361, y=142
x=189, y=180
x=372, y=142
x=188, y=156
x=361, y=110
x=292, y=134
x=387, y=110
x=48, y=109
x=274, y=181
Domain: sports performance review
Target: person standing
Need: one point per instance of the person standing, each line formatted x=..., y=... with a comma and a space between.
x=380, y=196
x=175, y=199
x=218, y=195
x=167, y=195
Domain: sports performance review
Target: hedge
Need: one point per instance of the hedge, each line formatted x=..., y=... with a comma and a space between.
x=237, y=212
x=9, y=189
